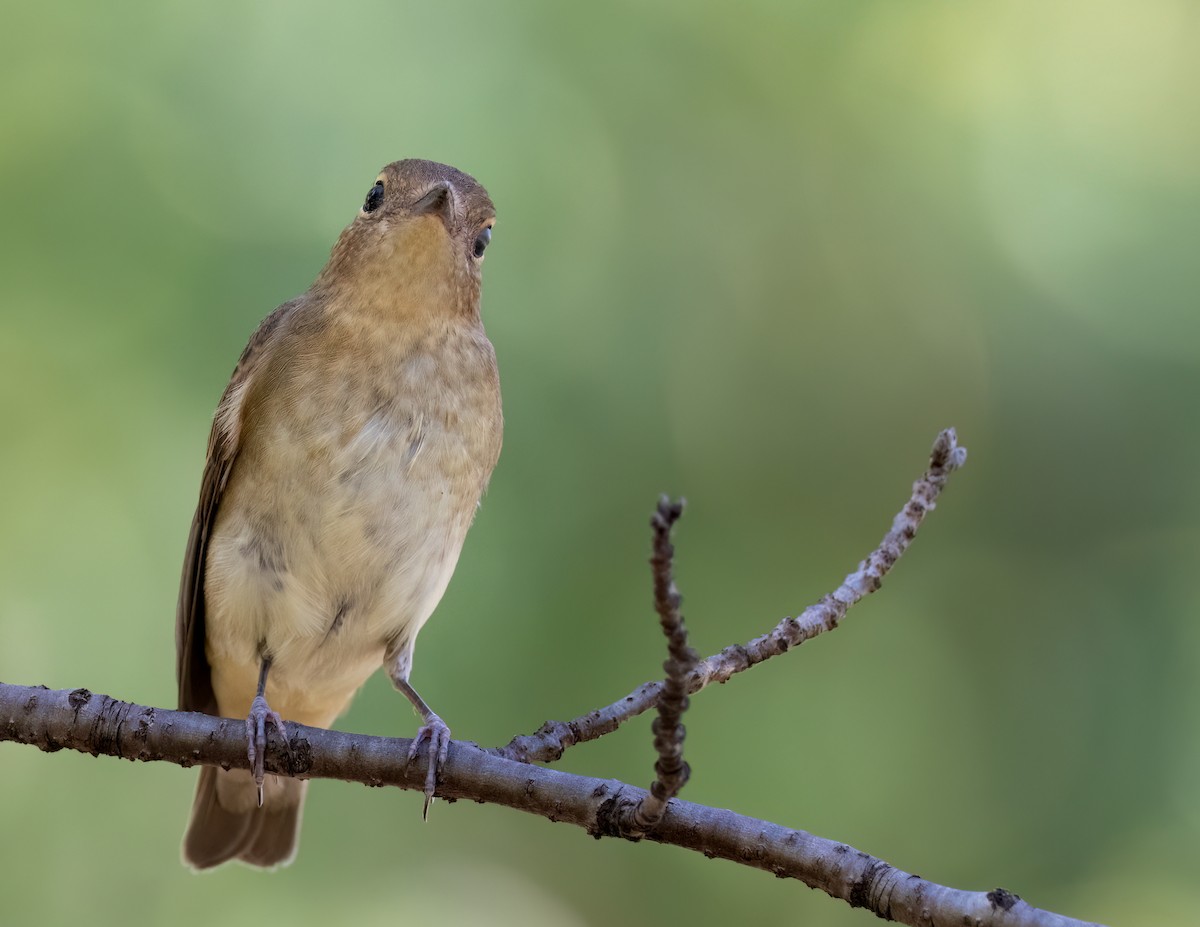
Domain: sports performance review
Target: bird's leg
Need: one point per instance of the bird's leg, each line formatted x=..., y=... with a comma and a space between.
x=434, y=730
x=256, y=728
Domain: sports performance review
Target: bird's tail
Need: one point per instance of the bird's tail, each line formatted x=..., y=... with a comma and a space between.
x=227, y=822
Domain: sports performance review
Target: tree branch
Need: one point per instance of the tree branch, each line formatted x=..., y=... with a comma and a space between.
x=96, y=724
x=671, y=772
x=554, y=737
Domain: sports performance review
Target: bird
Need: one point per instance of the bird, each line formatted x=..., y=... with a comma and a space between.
x=347, y=458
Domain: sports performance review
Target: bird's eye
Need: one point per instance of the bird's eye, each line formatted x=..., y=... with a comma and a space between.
x=374, y=197
x=481, y=242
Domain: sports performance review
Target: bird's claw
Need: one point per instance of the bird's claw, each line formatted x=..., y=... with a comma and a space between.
x=438, y=734
x=256, y=738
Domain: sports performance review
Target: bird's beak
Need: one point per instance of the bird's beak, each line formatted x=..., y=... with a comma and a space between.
x=439, y=201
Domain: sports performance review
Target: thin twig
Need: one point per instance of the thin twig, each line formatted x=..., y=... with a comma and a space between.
x=96, y=724
x=671, y=772
x=550, y=741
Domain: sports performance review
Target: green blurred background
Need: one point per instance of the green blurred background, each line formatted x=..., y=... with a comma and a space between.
x=757, y=255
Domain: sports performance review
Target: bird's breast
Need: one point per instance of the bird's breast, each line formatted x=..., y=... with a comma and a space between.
x=358, y=477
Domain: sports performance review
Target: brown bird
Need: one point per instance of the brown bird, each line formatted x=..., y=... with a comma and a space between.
x=346, y=461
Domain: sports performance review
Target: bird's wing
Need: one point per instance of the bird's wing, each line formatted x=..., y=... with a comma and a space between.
x=191, y=663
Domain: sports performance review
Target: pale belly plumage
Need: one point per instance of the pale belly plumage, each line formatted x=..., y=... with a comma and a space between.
x=336, y=546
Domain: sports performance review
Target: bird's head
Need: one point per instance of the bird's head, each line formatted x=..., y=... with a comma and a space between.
x=418, y=240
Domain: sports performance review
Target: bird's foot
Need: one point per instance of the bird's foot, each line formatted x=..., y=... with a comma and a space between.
x=256, y=738
x=438, y=734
